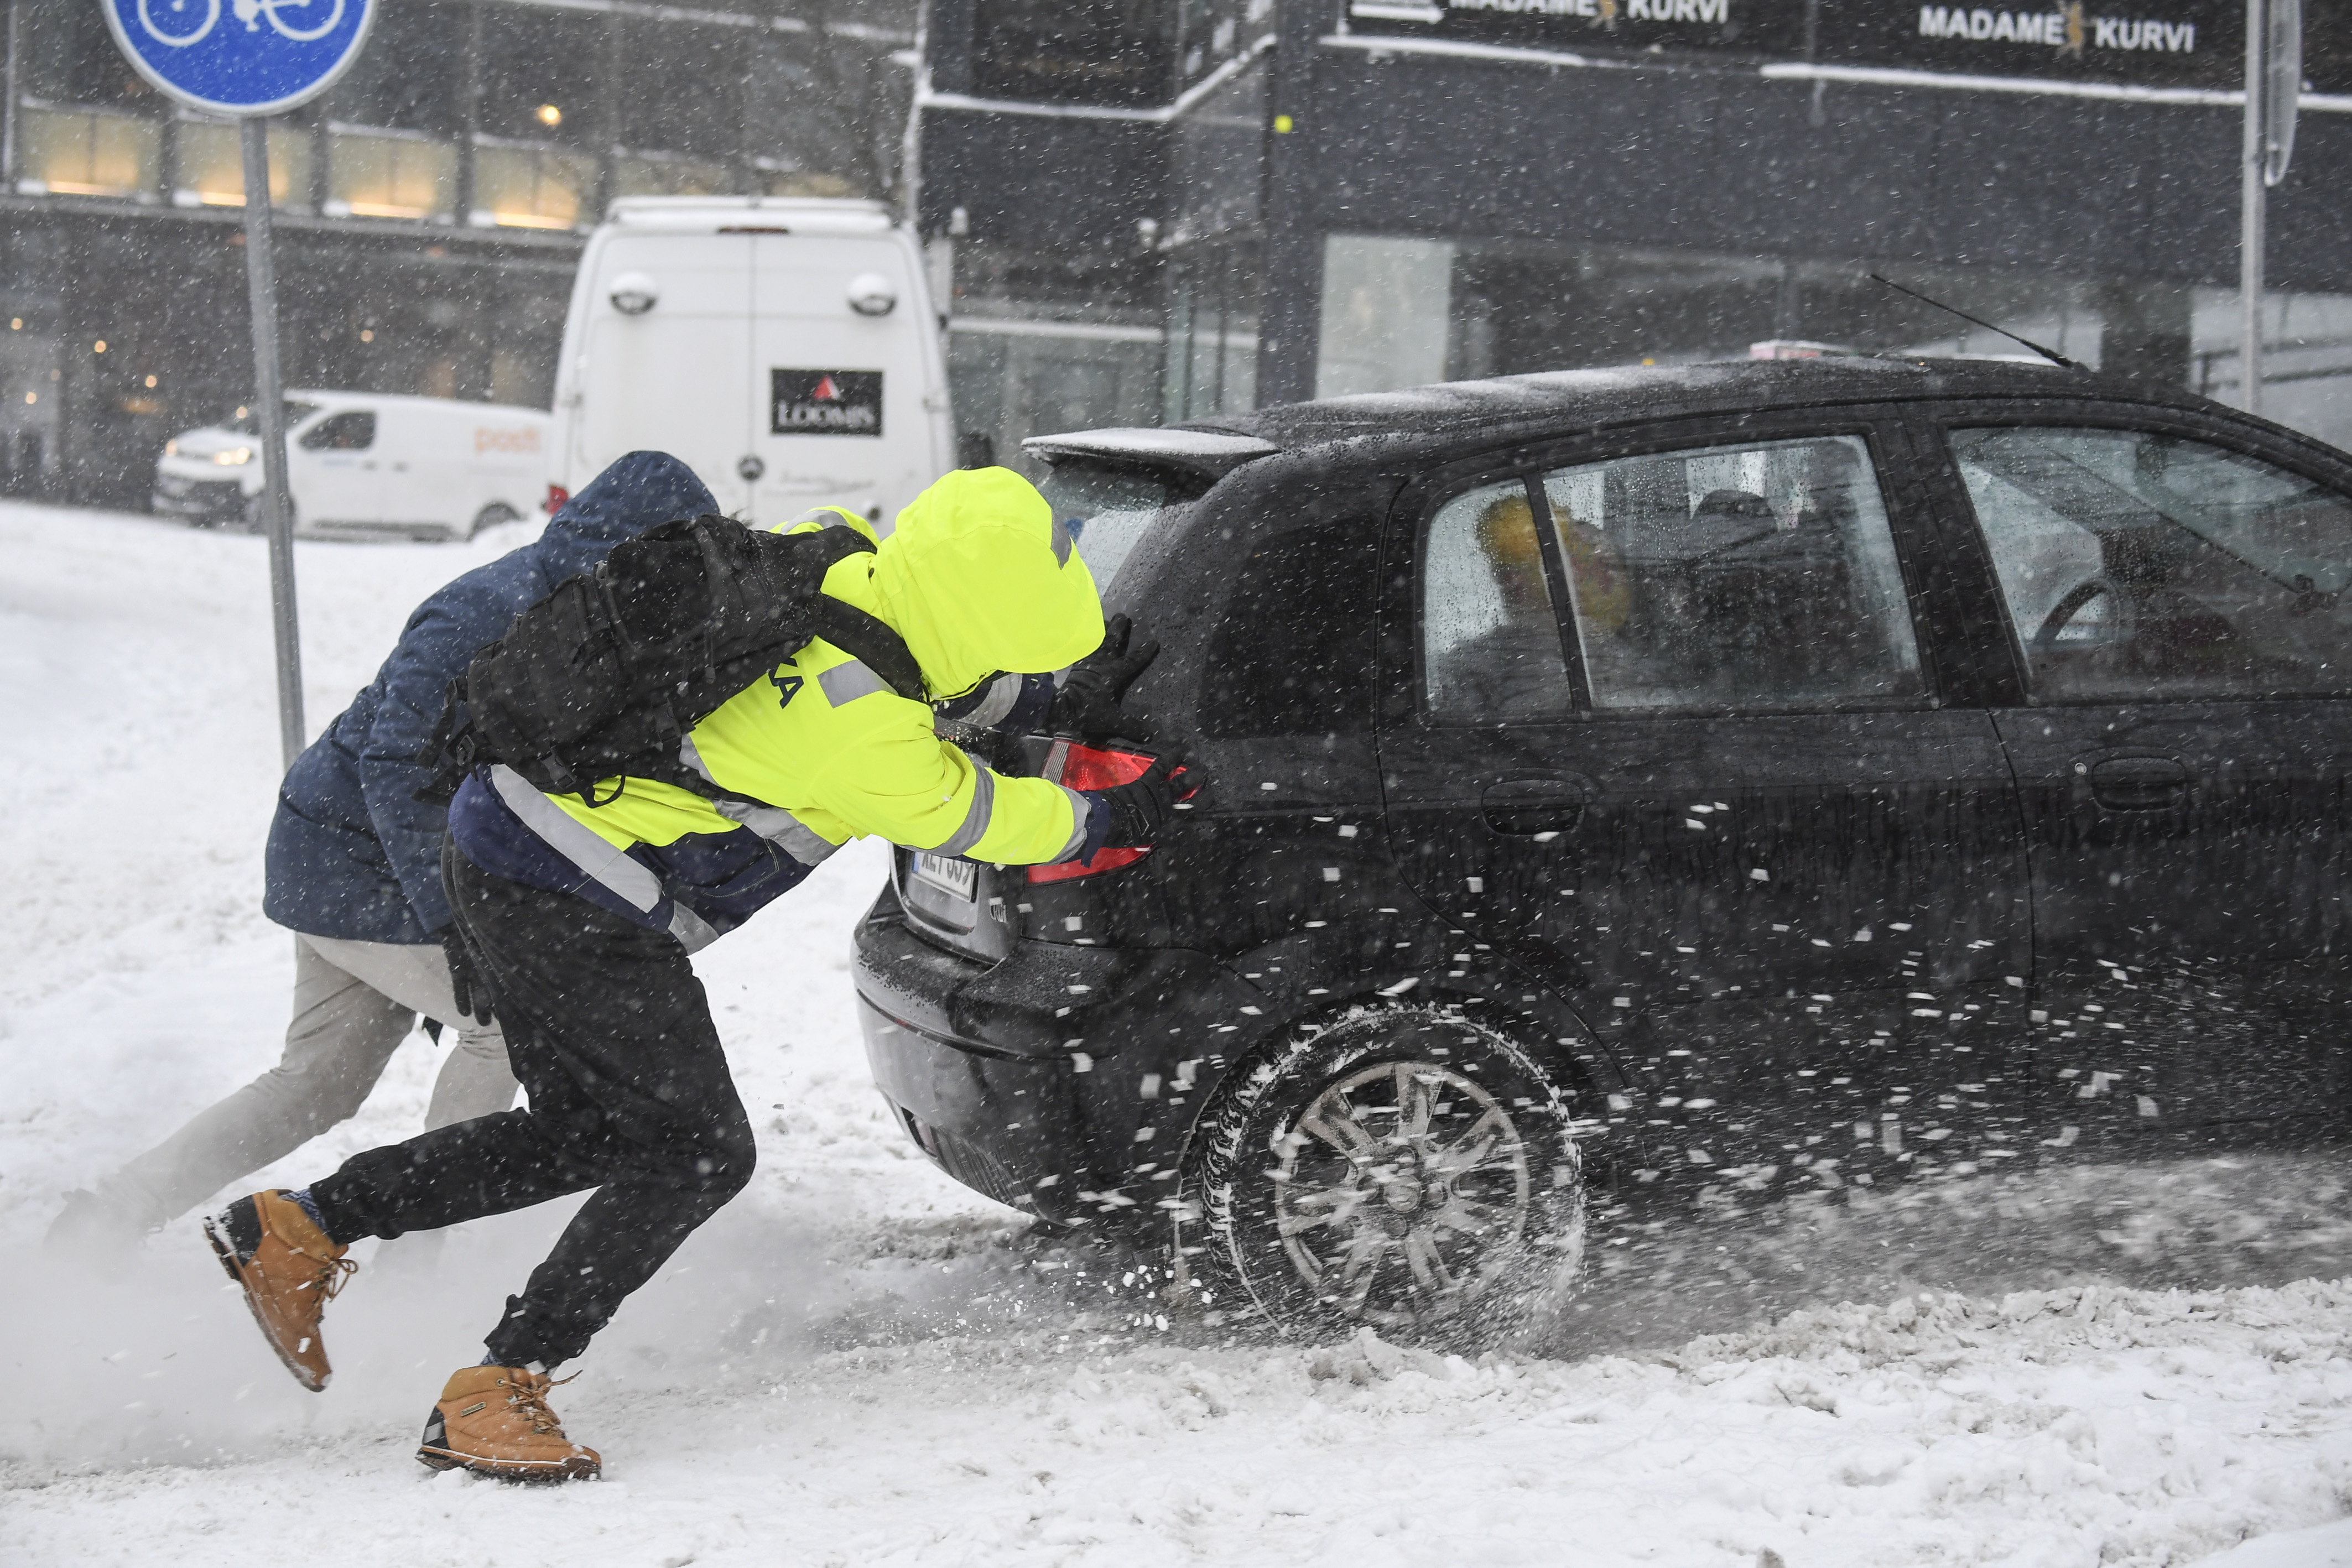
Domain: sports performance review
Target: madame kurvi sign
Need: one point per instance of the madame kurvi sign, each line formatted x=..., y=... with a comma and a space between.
x=2151, y=43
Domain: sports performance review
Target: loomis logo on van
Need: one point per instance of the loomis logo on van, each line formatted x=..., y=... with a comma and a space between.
x=824, y=402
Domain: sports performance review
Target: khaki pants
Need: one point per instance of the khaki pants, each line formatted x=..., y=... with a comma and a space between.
x=354, y=1002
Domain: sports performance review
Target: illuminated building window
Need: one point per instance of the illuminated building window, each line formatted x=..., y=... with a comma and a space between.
x=212, y=166
x=641, y=176
x=532, y=187
x=374, y=176
x=803, y=182
x=88, y=153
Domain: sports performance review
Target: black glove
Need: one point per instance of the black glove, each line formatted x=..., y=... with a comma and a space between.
x=465, y=982
x=1140, y=806
x=1087, y=704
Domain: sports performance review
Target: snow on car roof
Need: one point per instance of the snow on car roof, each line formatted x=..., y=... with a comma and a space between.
x=1209, y=451
x=1613, y=395
x=710, y=215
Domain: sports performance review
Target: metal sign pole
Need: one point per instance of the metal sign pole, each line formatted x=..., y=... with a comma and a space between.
x=2251, y=216
x=277, y=504
x=240, y=68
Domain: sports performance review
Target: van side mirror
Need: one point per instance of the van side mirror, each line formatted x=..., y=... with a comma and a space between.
x=870, y=294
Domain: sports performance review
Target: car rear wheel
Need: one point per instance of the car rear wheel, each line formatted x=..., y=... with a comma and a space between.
x=495, y=515
x=1409, y=1170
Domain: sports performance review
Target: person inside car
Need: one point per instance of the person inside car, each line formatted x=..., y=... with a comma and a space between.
x=1513, y=669
x=580, y=919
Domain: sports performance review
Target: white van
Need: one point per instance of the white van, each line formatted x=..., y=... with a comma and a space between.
x=364, y=465
x=784, y=348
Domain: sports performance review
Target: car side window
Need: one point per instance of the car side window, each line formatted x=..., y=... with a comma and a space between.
x=2137, y=565
x=350, y=431
x=1758, y=575
x=1490, y=640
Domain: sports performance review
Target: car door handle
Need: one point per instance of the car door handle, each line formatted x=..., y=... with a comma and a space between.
x=1529, y=806
x=2139, y=783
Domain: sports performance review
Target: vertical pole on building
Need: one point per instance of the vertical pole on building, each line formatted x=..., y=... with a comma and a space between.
x=269, y=399
x=8, y=108
x=1290, y=318
x=2251, y=216
x=910, y=139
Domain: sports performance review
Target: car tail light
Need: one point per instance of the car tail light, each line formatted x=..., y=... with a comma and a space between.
x=1077, y=766
x=558, y=498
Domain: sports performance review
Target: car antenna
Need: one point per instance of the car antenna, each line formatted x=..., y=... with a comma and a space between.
x=2053, y=355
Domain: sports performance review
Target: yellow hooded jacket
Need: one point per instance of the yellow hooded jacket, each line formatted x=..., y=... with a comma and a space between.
x=981, y=581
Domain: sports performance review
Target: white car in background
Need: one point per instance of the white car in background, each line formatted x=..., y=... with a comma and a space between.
x=364, y=464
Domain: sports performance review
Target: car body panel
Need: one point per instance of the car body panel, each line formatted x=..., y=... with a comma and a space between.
x=2185, y=861
x=1348, y=884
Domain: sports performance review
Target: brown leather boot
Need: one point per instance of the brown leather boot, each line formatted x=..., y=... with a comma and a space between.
x=494, y=1421
x=289, y=1271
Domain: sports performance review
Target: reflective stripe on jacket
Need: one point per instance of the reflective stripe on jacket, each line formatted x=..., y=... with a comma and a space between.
x=979, y=579
x=352, y=852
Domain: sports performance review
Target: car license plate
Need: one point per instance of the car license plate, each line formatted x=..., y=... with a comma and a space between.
x=958, y=877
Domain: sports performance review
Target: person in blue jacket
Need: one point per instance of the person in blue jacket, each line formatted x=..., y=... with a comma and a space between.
x=355, y=869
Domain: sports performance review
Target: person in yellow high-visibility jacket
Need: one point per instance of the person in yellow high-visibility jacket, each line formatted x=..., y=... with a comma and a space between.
x=579, y=918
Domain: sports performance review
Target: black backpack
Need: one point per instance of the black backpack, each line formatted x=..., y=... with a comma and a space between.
x=605, y=675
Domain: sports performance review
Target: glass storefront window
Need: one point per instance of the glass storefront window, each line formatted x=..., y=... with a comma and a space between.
x=88, y=153
x=211, y=165
x=532, y=188
x=1384, y=313
x=1399, y=312
x=645, y=176
x=1212, y=306
x=2306, y=357
x=775, y=182
x=391, y=177
x=1040, y=343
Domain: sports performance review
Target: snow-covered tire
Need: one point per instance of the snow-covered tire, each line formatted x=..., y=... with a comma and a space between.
x=498, y=514
x=1404, y=1169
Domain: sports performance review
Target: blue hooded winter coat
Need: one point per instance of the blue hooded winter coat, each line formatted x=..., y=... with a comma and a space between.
x=352, y=853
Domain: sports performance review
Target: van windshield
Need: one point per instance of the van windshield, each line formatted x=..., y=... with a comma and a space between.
x=1108, y=509
x=245, y=421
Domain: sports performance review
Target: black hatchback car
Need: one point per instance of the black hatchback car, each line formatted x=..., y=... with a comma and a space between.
x=1708, y=780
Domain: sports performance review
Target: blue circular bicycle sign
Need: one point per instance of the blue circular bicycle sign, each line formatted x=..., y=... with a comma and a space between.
x=241, y=56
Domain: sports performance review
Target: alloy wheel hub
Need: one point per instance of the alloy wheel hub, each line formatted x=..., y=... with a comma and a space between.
x=1401, y=1190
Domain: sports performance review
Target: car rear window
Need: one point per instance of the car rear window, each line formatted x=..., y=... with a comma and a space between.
x=1110, y=507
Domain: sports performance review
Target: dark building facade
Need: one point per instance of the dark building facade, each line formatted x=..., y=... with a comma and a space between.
x=1344, y=195
x=1151, y=210
x=430, y=206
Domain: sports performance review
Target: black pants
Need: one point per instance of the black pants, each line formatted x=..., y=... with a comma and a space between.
x=610, y=1032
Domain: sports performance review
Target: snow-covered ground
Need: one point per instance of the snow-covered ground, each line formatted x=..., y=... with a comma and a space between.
x=860, y=1361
